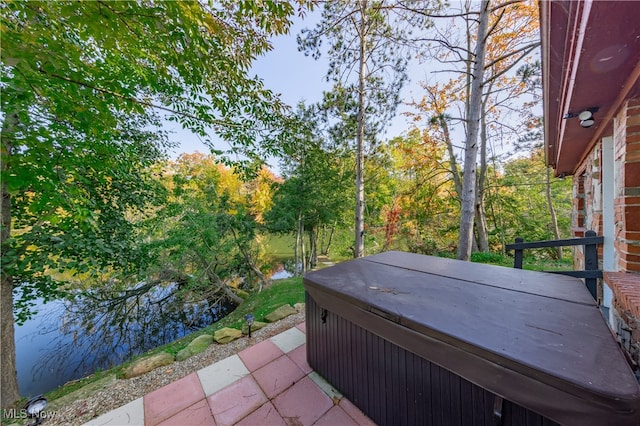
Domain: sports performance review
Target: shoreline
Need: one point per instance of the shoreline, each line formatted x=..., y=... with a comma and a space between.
x=119, y=392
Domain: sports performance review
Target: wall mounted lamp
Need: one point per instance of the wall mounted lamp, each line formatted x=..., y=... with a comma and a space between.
x=586, y=119
x=585, y=116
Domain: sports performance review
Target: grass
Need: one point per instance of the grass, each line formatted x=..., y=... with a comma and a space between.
x=531, y=263
x=288, y=291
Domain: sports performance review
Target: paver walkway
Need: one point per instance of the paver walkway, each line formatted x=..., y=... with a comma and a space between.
x=269, y=383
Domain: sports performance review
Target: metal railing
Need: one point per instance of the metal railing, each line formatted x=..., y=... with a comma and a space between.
x=590, y=241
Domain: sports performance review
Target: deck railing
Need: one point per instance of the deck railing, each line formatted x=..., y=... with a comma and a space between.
x=590, y=241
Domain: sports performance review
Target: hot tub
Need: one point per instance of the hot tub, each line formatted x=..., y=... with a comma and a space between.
x=421, y=340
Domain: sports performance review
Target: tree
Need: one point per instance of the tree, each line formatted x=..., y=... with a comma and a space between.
x=206, y=230
x=82, y=87
x=425, y=188
x=313, y=196
x=524, y=202
x=366, y=41
x=495, y=39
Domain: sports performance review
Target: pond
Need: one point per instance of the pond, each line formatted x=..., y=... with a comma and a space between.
x=68, y=340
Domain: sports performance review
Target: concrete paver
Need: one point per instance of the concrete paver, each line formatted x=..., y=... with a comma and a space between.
x=270, y=383
x=221, y=374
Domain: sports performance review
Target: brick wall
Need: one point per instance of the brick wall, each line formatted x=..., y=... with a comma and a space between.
x=627, y=197
x=624, y=318
x=624, y=281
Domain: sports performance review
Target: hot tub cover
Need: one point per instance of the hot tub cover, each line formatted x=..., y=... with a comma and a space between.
x=534, y=338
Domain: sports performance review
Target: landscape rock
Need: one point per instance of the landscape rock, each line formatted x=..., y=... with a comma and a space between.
x=257, y=325
x=196, y=346
x=282, y=312
x=299, y=307
x=144, y=365
x=226, y=335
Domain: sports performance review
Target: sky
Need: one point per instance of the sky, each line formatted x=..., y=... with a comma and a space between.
x=296, y=77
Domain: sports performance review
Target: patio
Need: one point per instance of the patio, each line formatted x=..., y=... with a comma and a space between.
x=269, y=383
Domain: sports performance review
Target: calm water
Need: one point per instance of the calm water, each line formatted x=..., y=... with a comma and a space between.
x=60, y=344
x=70, y=340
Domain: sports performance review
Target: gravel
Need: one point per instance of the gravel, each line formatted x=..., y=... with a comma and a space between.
x=123, y=391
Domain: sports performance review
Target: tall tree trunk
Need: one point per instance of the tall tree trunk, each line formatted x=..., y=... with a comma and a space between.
x=303, y=254
x=331, y=233
x=552, y=212
x=264, y=281
x=471, y=146
x=323, y=233
x=481, y=218
x=481, y=227
x=296, y=250
x=313, y=248
x=9, y=393
x=453, y=164
x=359, y=225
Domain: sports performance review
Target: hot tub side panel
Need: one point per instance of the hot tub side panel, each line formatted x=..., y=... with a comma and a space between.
x=395, y=386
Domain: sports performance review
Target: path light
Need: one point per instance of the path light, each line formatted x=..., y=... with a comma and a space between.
x=34, y=408
x=586, y=118
x=249, y=318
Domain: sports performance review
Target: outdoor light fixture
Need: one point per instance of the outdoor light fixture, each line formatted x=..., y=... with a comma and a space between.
x=249, y=318
x=34, y=408
x=586, y=118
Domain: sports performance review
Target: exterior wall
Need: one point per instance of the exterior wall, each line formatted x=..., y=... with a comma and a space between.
x=624, y=318
x=624, y=280
x=627, y=197
x=587, y=190
x=587, y=202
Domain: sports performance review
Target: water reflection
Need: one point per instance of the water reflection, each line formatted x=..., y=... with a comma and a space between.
x=282, y=269
x=68, y=340
x=71, y=339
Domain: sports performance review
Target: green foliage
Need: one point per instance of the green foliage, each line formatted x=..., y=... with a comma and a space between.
x=521, y=203
x=83, y=84
x=205, y=229
x=367, y=61
x=488, y=257
x=318, y=186
x=283, y=292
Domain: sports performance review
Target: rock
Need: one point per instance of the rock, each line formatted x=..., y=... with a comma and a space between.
x=257, y=325
x=299, y=307
x=226, y=335
x=144, y=365
x=282, y=312
x=196, y=346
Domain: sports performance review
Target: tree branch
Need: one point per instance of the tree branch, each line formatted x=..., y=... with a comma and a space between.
x=139, y=101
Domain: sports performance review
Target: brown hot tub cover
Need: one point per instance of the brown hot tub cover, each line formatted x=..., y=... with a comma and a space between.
x=532, y=338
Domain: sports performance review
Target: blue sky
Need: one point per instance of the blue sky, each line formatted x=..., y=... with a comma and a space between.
x=296, y=77
x=285, y=71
